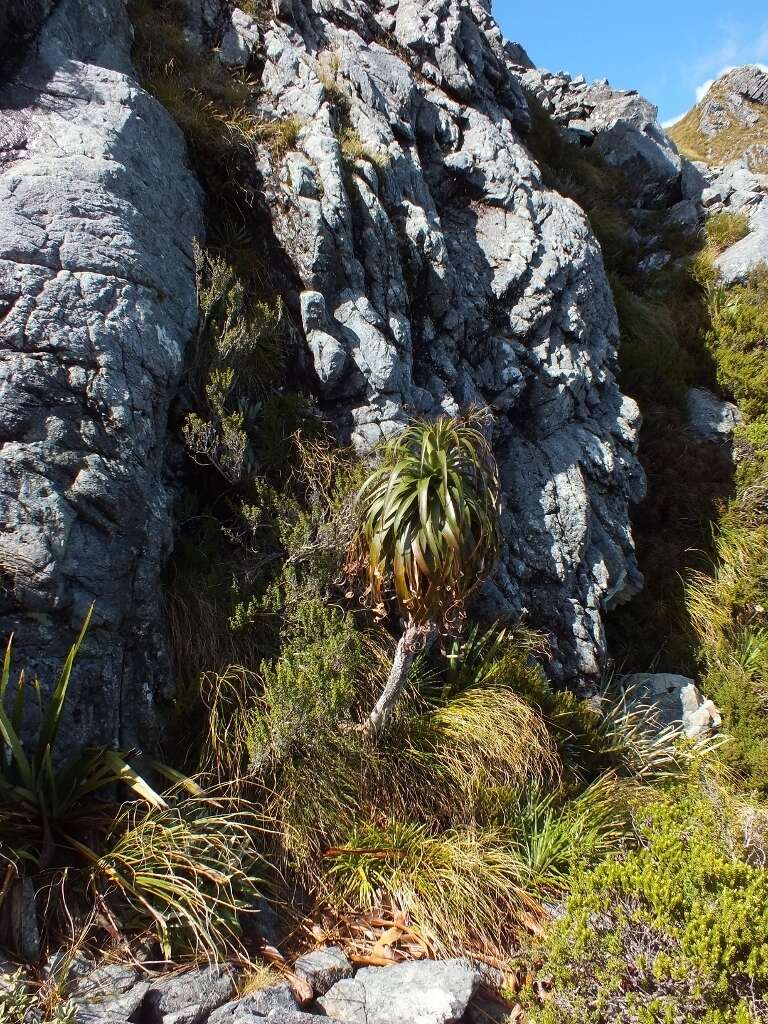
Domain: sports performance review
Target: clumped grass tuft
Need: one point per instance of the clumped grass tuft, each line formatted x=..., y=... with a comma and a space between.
x=724, y=229
x=177, y=867
x=191, y=870
x=353, y=148
x=462, y=815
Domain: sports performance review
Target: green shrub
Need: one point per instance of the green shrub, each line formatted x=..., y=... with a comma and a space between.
x=737, y=339
x=238, y=356
x=675, y=930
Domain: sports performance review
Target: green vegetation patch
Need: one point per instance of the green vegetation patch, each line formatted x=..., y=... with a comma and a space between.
x=674, y=930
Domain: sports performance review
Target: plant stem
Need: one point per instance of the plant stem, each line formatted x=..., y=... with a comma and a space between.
x=405, y=653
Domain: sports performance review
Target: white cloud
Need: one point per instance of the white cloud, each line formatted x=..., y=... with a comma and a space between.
x=673, y=120
x=703, y=89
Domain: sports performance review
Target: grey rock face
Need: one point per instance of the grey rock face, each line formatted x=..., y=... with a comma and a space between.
x=675, y=702
x=98, y=210
x=710, y=418
x=437, y=272
x=322, y=968
x=423, y=992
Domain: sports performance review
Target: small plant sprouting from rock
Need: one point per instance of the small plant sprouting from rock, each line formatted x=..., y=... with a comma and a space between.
x=238, y=353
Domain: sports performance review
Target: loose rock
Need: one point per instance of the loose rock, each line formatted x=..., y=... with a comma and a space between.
x=423, y=992
x=322, y=968
x=711, y=418
x=676, y=701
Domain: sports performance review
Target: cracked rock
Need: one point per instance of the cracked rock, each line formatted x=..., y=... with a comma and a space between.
x=436, y=271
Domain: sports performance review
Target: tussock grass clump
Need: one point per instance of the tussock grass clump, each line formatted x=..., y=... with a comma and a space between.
x=176, y=867
x=209, y=103
x=475, y=802
x=190, y=869
x=353, y=148
x=724, y=229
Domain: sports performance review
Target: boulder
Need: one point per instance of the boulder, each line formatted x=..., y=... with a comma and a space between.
x=19, y=21
x=256, y=1004
x=711, y=418
x=675, y=702
x=420, y=992
x=738, y=261
x=188, y=998
x=322, y=968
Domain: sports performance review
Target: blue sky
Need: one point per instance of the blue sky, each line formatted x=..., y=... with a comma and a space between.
x=666, y=50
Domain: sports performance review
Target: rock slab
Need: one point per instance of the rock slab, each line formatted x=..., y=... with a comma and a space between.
x=421, y=992
x=98, y=212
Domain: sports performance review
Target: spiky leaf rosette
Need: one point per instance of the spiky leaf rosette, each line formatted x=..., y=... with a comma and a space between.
x=430, y=522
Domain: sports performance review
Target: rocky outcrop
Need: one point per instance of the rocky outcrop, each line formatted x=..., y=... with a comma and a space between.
x=431, y=269
x=620, y=125
x=434, y=271
x=731, y=121
x=98, y=210
x=734, y=188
